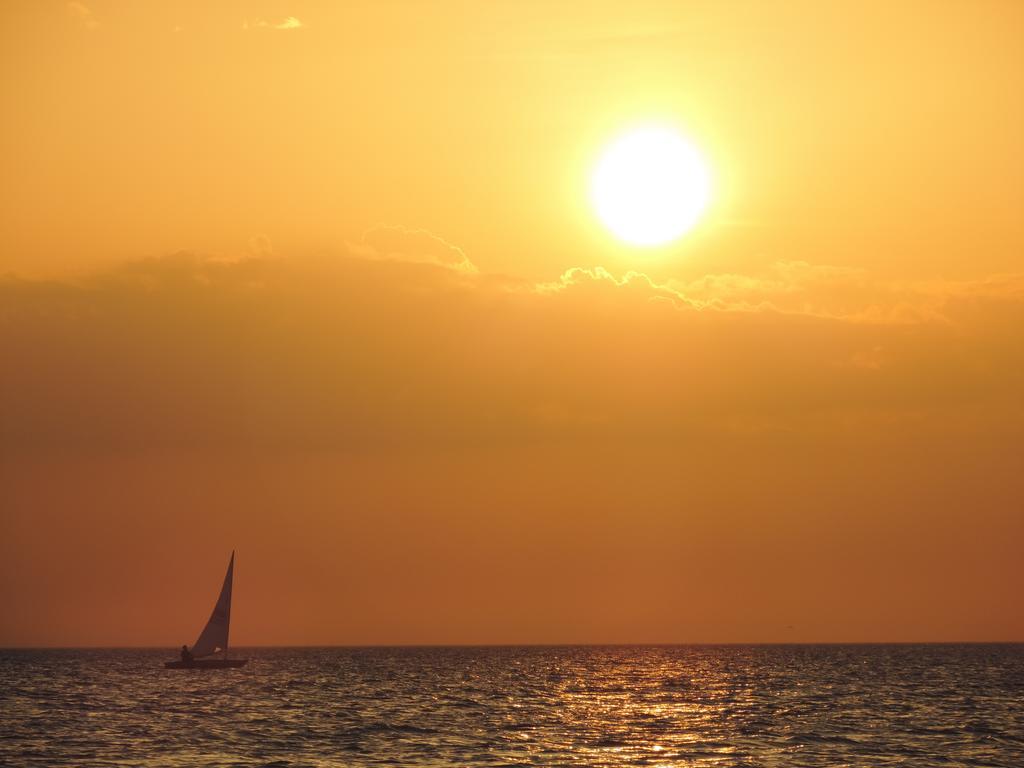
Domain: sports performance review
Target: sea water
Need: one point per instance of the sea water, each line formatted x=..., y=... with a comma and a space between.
x=792, y=705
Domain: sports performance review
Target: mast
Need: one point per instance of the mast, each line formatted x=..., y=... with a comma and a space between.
x=227, y=630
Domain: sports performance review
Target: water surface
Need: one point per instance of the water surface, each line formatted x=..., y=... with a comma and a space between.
x=859, y=705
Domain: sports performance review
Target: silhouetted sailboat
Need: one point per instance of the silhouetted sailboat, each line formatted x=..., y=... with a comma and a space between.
x=214, y=637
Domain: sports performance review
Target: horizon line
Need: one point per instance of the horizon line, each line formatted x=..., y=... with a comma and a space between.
x=742, y=644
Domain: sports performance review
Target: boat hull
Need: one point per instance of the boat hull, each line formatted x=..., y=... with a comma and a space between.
x=206, y=664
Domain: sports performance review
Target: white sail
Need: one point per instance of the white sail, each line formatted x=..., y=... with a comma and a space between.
x=214, y=636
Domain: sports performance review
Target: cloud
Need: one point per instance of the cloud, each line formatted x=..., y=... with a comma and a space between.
x=799, y=288
x=83, y=15
x=260, y=245
x=400, y=343
x=287, y=23
x=414, y=245
x=632, y=285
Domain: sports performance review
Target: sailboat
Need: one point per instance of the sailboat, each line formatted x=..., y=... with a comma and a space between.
x=214, y=637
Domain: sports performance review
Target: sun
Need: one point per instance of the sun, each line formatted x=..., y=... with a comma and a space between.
x=650, y=186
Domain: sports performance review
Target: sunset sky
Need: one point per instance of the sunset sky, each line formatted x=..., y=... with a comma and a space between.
x=323, y=283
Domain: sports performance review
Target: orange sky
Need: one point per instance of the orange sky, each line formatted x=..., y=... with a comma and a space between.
x=320, y=282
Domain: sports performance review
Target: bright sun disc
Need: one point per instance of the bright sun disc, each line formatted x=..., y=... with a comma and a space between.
x=650, y=186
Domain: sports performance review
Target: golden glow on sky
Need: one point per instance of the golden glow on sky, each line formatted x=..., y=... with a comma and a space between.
x=368, y=292
x=651, y=186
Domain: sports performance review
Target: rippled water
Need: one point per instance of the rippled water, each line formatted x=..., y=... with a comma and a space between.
x=700, y=706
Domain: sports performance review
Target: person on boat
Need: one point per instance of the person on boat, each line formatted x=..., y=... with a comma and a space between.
x=186, y=655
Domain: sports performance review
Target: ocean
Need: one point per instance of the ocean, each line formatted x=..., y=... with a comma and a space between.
x=782, y=705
